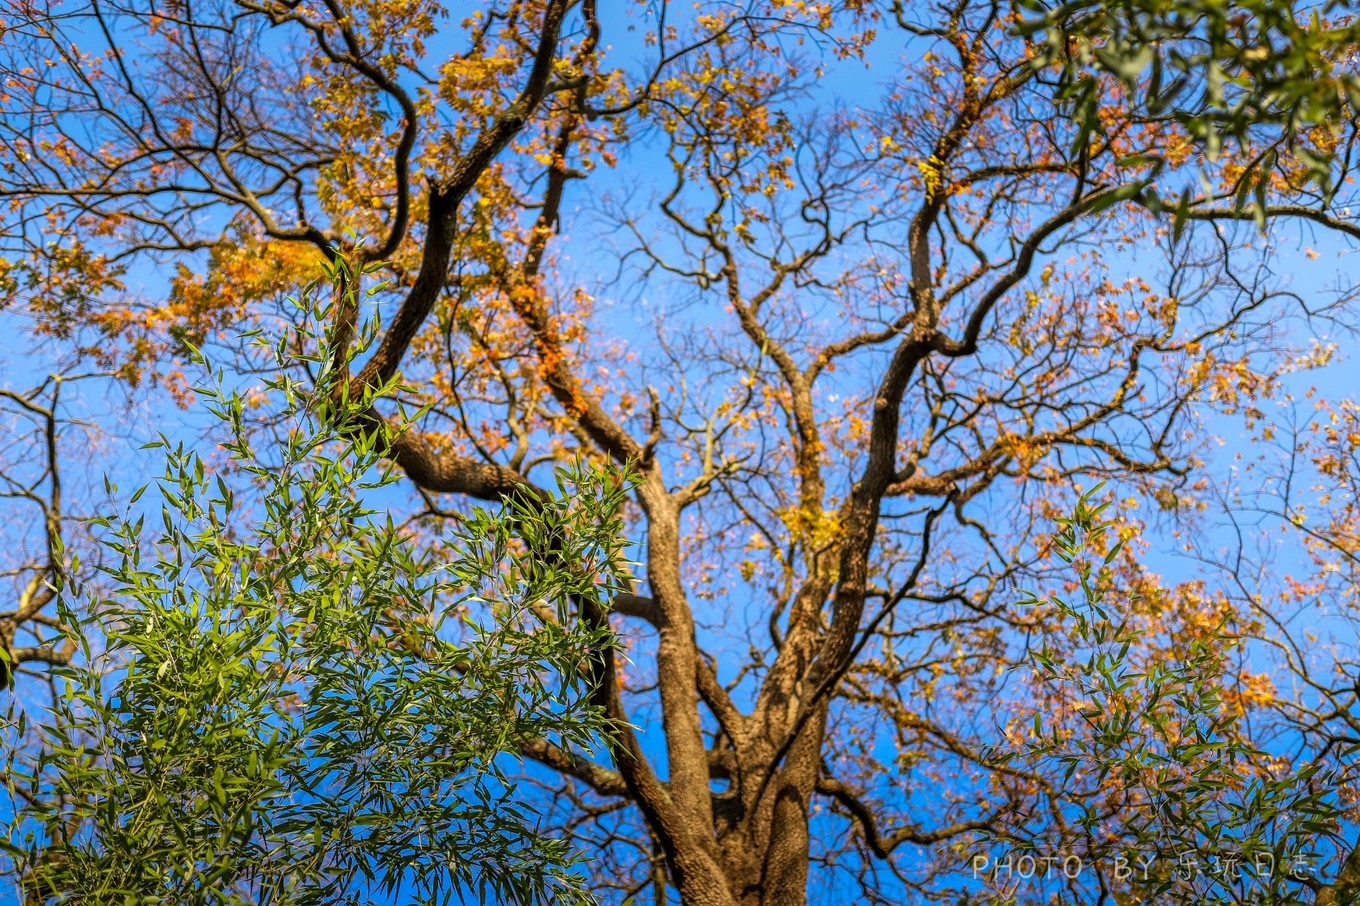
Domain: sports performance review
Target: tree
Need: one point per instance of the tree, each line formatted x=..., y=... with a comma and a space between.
x=1166, y=741
x=891, y=337
x=282, y=700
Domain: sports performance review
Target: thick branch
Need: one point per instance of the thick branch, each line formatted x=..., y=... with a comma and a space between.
x=444, y=201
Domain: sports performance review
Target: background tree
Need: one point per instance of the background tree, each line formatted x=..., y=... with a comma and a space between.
x=859, y=347
x=29, y=633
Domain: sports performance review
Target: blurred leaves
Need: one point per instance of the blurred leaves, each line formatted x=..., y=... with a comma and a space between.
x=1259, y=73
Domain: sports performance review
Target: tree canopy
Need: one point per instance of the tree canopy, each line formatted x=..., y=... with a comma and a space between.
x=961, y=377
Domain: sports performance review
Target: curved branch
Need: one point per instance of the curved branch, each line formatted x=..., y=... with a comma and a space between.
x=881, y=844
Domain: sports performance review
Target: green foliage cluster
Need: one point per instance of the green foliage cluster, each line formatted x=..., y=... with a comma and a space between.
x=1208, y=819
x=295, y=704
x=1226, y=72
